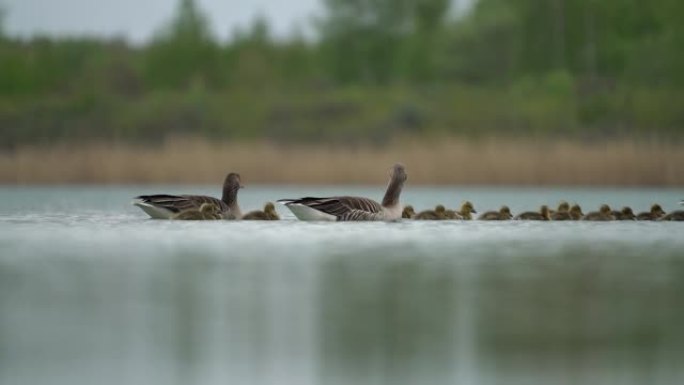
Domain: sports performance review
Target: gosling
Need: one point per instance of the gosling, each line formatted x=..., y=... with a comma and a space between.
x=503, y=214
x=574, y=214
x=604, y=214
x=563, y=207
x=626, y=214
x=655, y=214
x=466, y=212
x=439, y=213
x=269, y=214
x=207, y=211
x=674, y=216
x=542, y=215
x=408, y=212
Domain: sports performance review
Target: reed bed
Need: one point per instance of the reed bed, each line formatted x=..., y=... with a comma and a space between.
x=432, y=162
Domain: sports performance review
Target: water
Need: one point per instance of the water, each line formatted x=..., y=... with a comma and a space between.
x=91, y=291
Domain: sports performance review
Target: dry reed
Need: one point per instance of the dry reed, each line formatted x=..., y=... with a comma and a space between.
x=449, y=161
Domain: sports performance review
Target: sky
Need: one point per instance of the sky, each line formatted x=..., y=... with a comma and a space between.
x=138, y=20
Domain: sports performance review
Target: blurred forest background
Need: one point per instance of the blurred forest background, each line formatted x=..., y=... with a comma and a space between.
x=599, y=75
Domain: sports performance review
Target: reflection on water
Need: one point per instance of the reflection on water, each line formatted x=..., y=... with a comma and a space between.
x=102, y=295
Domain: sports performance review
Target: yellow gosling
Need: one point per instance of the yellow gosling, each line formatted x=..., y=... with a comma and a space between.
x=503, y=214
x=655, y=213
x=542, y=215
x=439, y=213
x=269, y=214
x=207, y=211
x=466, y=212
x=408, y=212
x=604, y=214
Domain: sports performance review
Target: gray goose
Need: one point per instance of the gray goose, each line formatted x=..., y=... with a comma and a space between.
x=164, y=206
x=349, y=208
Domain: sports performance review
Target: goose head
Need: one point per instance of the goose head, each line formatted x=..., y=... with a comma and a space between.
x=563, y=207
x=505, y=212
x=231, y=185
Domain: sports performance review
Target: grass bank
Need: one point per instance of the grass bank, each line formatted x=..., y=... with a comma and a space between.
x=444, y=161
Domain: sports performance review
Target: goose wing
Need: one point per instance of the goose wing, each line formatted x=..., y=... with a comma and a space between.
x=337, y=206
x=178, y=203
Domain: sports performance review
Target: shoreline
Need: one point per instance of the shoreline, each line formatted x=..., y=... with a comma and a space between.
x=447, y=161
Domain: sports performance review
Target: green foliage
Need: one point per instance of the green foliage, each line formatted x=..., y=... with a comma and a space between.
x=379, y=68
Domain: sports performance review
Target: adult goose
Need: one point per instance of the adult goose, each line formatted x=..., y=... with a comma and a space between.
x=269, y=214
x=349, y=208
x=164, y=206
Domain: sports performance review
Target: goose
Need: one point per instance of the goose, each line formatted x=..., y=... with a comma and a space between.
x=503, y=214
x=207, y=211
x=269, y=214
x=563, y=207
x=575, y=213
x=466, y=211
x=604, y=214
x=408, y=212
x=349, y=208
x=164, y=206
x=439, y=213
x=655, y=213
x=626, y=214
x=674, y=216
x=542, y=215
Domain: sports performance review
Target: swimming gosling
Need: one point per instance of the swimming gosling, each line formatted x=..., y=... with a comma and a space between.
x=269, y=214
x=466, y=212
x=503, y=214
x=655, y=213
x=563, y=207
x=626, y=214
x=604, y=214
x=542, y=215
x=206, y=211
x=408, y=212
x=439, y=213
x=674, y=216
x=574, y=214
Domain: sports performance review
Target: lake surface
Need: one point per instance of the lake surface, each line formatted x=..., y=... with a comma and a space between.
x=94, y=292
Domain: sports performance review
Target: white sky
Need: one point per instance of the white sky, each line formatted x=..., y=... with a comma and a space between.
x=138, y=20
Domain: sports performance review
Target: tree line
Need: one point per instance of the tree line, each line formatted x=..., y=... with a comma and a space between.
x=376, y=69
